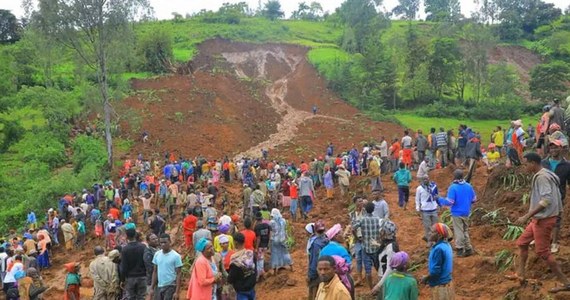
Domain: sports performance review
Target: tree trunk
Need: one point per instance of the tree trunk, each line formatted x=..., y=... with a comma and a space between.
x=104, y=88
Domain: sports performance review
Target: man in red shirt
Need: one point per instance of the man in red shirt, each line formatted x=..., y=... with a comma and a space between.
x=249, y=235
x=189, y=225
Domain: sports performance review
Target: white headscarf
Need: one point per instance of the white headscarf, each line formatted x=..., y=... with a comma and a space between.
x=275, y=213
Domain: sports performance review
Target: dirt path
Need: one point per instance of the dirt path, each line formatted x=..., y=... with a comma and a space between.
x=291, y=118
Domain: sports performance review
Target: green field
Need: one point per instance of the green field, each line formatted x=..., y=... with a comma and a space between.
x=484, y=127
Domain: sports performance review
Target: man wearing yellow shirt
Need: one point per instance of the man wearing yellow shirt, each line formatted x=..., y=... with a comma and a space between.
x=498, y=139
x=330, y=288
x=493, y=157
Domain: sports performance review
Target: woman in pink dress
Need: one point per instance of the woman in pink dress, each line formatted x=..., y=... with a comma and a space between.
x=204, y=275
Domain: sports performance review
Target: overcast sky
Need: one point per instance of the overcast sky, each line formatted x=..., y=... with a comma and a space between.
x=164, y=8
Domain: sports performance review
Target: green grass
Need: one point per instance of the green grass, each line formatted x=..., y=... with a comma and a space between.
x=183, y=55
x=324, y=59
x=188, y=33
x=484, y=127
x=139, y=75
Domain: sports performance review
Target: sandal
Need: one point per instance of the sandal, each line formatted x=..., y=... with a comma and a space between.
x=564, y=288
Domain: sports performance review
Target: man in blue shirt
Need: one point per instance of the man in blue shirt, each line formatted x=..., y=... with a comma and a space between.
x=440, y=263
x=460, y=197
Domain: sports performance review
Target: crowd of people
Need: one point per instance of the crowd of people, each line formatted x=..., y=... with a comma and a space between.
x=227, y=247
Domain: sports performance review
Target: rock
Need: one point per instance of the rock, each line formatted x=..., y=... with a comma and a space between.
x=291, y=282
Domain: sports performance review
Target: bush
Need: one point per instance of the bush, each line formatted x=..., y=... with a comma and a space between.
x=40, y=147
x=495, y=109
x=156, y=50
x=90, y=151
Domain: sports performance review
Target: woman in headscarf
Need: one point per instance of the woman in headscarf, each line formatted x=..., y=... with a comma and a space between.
x=204, y=275
x=400, y=285
x=222, y=259
x=335, y=247
x=223, y=229
x=43, y=257
x=389, y=248
x=280, y=256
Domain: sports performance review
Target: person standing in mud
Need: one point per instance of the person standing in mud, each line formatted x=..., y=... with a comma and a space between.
x=556, y=163
x=460, y=197
x=440, y=264
x=306, y=193
x=370, y=228
x=545, y=207
x=317, y=244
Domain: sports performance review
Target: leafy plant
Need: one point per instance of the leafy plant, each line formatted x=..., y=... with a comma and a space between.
x=493, y=217
x=504, y=260
x=290, y=242
x=513, y=232
x=446, y=217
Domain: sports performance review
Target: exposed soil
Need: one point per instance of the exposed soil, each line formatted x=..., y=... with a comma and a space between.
x=522, y=59
x=243, y=97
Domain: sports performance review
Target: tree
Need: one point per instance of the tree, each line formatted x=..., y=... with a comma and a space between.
x=442, y=10
x=92, y=28
x=272, y=10
x=523, y=16
x=362, y=21
x=489, y=11
x=9, y=27
x=156, y=49
x=548, y=81
x=416, y=55
x=477, y=41
x=408, y=9
x=503, y=81
x=443, y=63
x=312, y=12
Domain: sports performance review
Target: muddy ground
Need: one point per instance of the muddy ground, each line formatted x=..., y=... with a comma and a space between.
x=244, y=97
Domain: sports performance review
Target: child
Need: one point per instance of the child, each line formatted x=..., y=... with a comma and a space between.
x=293, y=193
x=72, y=281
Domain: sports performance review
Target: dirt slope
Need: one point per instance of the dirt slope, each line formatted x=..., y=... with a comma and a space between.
x=522, y=59
x=243, y=97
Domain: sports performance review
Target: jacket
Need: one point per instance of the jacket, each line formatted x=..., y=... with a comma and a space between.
x=104, y=273
x=402, y=177
x=201, y=281
x=318, y=244
x=473, y=149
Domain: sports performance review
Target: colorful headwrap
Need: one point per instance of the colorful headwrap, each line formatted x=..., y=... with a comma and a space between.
x=389, y=229
x=333, y=231
x=130, y=226
x=399, y=259
x=201, y=245
x=224, y=228
x=442, y=230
